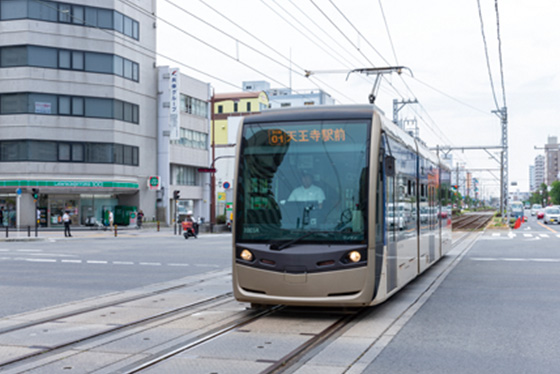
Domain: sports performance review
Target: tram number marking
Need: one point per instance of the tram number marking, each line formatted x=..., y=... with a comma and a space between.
x=251, y=230
x=283, y=137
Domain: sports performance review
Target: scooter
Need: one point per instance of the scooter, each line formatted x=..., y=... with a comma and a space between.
x=188, y=230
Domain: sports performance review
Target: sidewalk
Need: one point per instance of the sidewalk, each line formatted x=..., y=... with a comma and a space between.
x=81, y=232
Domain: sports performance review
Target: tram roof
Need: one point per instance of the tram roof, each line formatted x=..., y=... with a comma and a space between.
x=309, y=113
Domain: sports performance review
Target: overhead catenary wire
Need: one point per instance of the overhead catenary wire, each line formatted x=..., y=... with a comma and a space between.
x=126, y=41
x=487, y=56
x=388, y=32
x=245, y=44
x=500, y=52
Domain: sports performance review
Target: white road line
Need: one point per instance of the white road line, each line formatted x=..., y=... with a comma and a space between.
x=558, y=236
x=72, y=261
x=96, y=262
x=38, y=260
x=29, y=250
x=151, y=263
x=510, y=259
x=528, y=235
x=178, y=265
x=123, y=263
x=4, y=250
x=544, y=235
x=496, y=234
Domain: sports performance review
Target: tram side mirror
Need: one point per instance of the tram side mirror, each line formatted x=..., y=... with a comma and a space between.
x=389, y=166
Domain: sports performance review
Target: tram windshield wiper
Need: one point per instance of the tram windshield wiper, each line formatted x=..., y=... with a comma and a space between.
x=278, y=246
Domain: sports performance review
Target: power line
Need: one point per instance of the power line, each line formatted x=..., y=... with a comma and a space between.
x=341, y=32
x=388, y=33
x=500, y=51
x=310, y=31
x=359, y=33
x=486, y=53
x=126, y=41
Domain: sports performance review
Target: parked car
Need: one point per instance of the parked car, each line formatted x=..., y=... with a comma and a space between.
x=551, y=215
x=535, y=209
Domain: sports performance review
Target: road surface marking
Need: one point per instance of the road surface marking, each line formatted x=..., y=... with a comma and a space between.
x=548, y=228
x=496, y=234
x=544, y=235
x=510, y=259
x=96, y=262
x=72, y=261
x=178, y=265
x=151, y=263
x=528, y=235
x=123, y=263
x=38, y=260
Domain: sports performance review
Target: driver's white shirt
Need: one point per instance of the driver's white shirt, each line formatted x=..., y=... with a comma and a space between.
x=313, y=193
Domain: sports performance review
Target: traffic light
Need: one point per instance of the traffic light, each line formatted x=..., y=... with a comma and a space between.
x=176, y=194
x=35, y=192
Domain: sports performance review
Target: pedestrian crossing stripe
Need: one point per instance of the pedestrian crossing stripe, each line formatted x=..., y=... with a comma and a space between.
x=512, y=235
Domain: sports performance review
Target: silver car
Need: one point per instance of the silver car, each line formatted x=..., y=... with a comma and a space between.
x=535, y=209
x=551, y=215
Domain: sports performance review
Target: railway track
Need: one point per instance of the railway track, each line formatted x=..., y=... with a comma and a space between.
x=472, y=221
x=205, y=333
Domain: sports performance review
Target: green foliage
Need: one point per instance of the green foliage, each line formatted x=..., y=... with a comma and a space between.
x=544, y=194
x=555, y=192
x=220, y=220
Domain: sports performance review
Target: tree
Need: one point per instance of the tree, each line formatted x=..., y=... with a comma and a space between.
x=555, y=192
x=544, y=194
x=536, y=198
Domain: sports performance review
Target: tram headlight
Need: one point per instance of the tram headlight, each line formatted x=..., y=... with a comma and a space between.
x=354, y=256
x=246, y=255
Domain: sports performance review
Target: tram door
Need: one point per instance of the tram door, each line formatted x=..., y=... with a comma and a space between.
x=391, y=221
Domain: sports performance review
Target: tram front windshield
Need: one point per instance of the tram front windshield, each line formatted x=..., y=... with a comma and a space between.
x=304, y=182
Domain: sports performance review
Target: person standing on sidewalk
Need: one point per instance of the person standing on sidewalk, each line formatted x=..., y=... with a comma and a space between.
x=140, y=218
x=111, y=220
x=66, y=220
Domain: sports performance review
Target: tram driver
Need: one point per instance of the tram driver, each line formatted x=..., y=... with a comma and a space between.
x=307, y=191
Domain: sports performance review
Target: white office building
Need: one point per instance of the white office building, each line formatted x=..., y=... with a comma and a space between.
x=78, y=101
x=183, y=146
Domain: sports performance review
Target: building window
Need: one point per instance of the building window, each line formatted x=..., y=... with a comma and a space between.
x=68, y=13
x=194, y=106
x=54, y=58
x=48, y=104
x=184, y=175
x=220, y=108
x=235, y=107
x=192, y=139
x=248, y=106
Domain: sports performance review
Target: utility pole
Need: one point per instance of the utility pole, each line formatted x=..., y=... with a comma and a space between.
x=502, y=114
x=213, y=174
x=397, y=106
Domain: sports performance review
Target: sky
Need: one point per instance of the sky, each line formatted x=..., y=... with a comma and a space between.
x=226, y=42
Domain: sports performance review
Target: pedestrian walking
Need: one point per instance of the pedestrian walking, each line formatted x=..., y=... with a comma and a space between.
x=140, y=218
x=111, y=220
x=66, y=221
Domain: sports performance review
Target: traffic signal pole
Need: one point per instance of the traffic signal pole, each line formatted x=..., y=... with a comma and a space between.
x=213, y=174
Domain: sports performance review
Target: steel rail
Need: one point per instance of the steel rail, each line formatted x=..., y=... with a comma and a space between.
x=103, y=334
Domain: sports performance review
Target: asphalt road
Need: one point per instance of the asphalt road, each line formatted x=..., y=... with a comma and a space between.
x=496, y=312
x=38, y=274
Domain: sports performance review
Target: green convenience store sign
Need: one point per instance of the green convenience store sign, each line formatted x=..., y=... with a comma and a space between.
x=66, y=184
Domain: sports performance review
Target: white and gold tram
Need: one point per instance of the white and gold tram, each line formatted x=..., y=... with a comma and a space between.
x=334, y=206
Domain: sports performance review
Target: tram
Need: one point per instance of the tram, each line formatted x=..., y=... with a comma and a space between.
x=334, y=206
